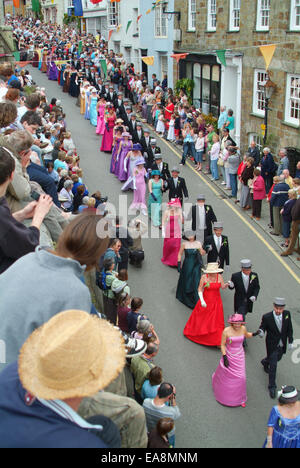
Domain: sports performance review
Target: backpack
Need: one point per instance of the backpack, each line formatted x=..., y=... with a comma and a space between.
x=101, y=280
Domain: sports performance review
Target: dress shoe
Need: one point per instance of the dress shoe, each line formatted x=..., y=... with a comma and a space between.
x=272, y=392
x=274, y=233
x=285, y=254
x=266, y=367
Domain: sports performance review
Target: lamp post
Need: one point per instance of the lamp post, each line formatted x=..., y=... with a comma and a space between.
x=268, y=88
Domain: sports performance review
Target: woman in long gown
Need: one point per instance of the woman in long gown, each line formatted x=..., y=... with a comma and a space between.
x=107, y=139
x=206, y=323
x=190, y=270
x=124, y=148
x=83, y=90
x=172, y=229
x=155, y=186
x=116, y=146
x=129, y=165
x=229, y=381
x=66, y=77
x=139, y=187
x=93, y=107
x=100, y=116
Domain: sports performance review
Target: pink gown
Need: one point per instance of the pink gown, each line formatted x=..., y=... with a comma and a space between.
x=100, y=120
x=172, y=242
x=108, y=137
x=230, y=385
x=139, y=197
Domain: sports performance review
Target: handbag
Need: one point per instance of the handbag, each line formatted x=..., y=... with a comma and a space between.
x=220, y=162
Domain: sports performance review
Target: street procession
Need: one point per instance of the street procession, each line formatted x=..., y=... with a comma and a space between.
x=149, y=226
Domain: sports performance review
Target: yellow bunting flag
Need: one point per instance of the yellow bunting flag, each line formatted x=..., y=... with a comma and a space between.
x=268, y=52
x=148, y=60
x=118, y=28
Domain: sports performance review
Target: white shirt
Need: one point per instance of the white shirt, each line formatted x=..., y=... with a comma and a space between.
x=278, y=321
x=202, y=218
x=218, y=242
x=246, y=280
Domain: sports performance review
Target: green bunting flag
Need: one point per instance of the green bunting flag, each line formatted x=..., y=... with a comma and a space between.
x=221, y=56
x=104, y=67
x=17, y=56
x=128, y=25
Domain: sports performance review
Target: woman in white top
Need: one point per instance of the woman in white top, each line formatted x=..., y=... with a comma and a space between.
x=214, y=156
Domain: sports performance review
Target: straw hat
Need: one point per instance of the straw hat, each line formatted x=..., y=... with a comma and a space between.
x=212, y=268
x=73, y=355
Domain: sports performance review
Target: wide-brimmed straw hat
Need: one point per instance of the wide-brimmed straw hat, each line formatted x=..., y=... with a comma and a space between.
x=212, y=268
x=73, y=355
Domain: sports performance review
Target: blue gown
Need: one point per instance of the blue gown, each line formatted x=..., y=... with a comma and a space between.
x=93, y=111
x=286, y=431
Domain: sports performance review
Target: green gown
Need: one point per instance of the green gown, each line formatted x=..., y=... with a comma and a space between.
x=154, y=207
x=189, y=279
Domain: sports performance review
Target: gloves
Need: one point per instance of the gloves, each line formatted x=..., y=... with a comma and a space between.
x=154, y=197
x=209, y=248
x=230, y=284
x=252, y=298
x=226, y=362
x=203, y=303
x=257, y=333
x=179, y=267
x=291, y=346
x=125, y=165
x=107, y=127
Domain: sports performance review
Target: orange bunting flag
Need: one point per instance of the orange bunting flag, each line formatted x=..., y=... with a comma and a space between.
x=148, y=11
x=268, y=52
x=178, y=57
x=110, y=34
x=148, y=60
x=16, y=3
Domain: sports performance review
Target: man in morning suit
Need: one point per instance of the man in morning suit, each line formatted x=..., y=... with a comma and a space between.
x=217, y=246
x=176, y=186
x=246, y=285
x=278, y=328
x=203, y=217
x=161, y=166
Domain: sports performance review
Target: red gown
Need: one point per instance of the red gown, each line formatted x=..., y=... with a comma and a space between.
x=206, y=325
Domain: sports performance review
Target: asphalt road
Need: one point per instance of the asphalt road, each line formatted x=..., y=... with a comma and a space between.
x=204, y=422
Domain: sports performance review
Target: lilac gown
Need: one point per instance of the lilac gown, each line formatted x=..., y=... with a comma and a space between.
x=230, y=385
x=113, y=163
x=139, y=202
x=119, y=171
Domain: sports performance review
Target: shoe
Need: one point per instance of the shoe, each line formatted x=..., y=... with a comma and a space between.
x=272, y=392
x=274, y=233
x=237, y=201
x=223, y=183
x=134, y=347
x=286, y=254
x=265, y=366
x=243, y=405
x=257, y=219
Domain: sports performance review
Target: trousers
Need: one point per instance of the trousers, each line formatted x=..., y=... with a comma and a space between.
x=271, y=362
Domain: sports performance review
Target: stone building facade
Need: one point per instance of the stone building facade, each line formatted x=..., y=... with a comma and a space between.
x=240, y=27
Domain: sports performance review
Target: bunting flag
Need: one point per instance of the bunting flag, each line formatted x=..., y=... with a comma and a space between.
x=128, y=25
x=61, y=62
x=178, y=57
x=80, y=47
x=118, y=28
x=138, y=18
x=221, y=54
x=96, y=1
x=78, y=10
x=268, y=52
x=110, y=34
x=22, y=64
x=148, y=60
x=113, y=1
x=16, y=3
x=35, y=5
x=148, y=11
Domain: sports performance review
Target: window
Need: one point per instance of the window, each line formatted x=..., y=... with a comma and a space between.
x=263, y=15
x=113, y=15
x=192, y=15
x=160, y=23
x=163, y=66
x=295, y=15
x=258, y=140
x=234, y=19
x=292, y=108
x=260, y=76
x=136, y=29
x=211, y=15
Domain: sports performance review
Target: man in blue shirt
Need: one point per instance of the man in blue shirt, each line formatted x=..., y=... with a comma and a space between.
x=223, y=117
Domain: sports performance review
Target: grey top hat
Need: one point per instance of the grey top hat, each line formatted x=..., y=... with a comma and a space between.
x=218, y=225
x=175, y=169
x=158, y=156
x=246, y=263
x=201, y=197
x=153, y=141
x=279, y=301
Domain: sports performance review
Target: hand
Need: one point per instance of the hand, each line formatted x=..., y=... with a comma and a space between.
x=203, y=304
x=230, y=284
x=179, y=267
x=291, y=346
x=43, y=205
x=252, y=298
x=154, y=197
x=257, y=333
x=29, y=210
x=226, y=362
x=25, y=159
